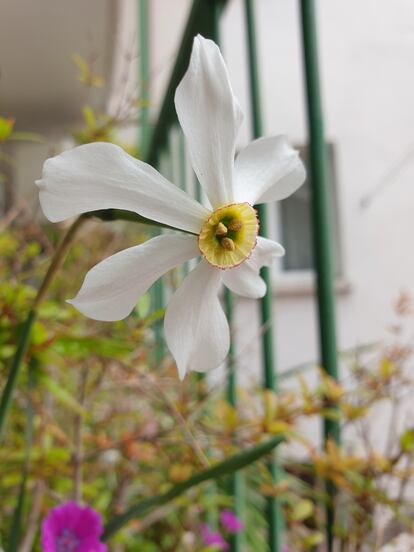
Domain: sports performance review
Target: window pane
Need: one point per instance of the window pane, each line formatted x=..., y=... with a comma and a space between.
x=296, y=229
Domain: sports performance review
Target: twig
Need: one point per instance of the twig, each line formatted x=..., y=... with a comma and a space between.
x=11, y=215
x=77, y=456
x=195, y=445
x=32, y=522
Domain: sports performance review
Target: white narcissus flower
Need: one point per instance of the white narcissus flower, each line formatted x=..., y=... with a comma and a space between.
x=101, y=176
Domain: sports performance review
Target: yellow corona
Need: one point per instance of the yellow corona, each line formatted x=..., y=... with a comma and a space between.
x=229, y=235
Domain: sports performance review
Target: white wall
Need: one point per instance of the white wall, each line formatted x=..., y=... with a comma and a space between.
x=366, y=56
x=366, y=53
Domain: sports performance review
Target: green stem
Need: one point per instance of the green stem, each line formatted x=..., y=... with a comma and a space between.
x=15, y=529
x=58, y=259
x=274, y=512
x=228, y=466
x=235, y=486
x=15, y=368
x=110, y=215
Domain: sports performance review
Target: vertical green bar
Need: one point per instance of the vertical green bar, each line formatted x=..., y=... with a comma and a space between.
x=236, y=481
x=182, y=162
x=322, y=227
x=144, y=76
x=274, y=513
x=157, y=289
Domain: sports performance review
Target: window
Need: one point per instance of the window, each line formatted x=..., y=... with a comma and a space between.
x=295, y=221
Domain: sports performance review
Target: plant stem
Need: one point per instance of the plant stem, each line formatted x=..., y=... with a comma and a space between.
x=24, y=339
x=58, y=259
x=16, y=525
x=15, y=368
x=77, y=439
x=32, y=522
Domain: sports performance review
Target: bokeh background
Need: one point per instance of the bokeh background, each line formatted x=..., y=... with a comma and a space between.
x=74, y=72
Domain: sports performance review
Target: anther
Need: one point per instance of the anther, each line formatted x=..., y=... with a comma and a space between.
x=221, y=229
x=235, y=225
x=228, y=244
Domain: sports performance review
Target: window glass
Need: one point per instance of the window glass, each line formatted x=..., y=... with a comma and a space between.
x=295, y=221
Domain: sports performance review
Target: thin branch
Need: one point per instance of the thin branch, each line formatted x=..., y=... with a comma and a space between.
x=32, y=522
x=77, y=457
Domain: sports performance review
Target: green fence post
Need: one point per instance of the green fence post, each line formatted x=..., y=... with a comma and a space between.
x=274, y=513
x=236, y=481
x=322, y=227
x=157, y=290
x=144, y=76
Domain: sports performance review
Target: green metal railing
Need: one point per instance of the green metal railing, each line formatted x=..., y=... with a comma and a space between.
x=204, y=18
x=273, y=510
x=321, y=226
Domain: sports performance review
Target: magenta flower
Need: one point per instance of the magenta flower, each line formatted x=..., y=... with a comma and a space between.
x=210, y=538
x=72, y=528
x=230, y=522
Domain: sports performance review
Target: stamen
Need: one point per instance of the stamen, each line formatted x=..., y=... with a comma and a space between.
x=67, y=541
x=235, y=225
x=221, y=229
x=228, y=244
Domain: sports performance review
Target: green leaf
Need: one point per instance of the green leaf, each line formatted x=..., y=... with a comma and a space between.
x=228, y=466
x=154, y=317
x=302, y=510
x=89, y=116
x=6, y=128
x=86, y=76
x=39, y=333
x=331, y=414
x=407, y=440
x=78, y=346
x=15, y=368
x=313, y=540
x=144, y=305
x=62, y=394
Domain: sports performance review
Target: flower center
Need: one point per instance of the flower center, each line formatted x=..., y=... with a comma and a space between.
x=229, y=235
x=67, y=541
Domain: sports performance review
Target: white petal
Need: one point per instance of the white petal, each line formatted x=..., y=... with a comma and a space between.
x=265, y=253
x=268, y=169
x=103, y=176
x=244, y=279
x=210, y=118
x=111, y=288
x=196, y=328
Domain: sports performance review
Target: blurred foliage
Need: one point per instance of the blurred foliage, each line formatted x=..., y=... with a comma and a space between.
x=8, y=134
x=86, y=74
x=111, y=425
